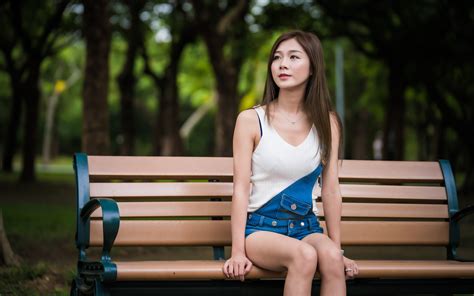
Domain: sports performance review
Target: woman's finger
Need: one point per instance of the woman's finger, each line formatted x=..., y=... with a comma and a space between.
x=349, y=272
x=248, y=266
x=231, y=270
x=356, y=269
x=224, y=269
x=241, y=271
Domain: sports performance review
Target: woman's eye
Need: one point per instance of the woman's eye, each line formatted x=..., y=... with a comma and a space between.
x=293, y=56
x=276, y=57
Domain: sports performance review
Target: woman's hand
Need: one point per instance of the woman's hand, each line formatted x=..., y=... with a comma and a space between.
x=350, y=267
x=237, y=266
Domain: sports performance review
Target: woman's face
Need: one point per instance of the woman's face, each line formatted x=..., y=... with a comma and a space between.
x=290, y=66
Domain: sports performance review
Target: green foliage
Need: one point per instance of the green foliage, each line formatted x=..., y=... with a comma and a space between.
x=68, y=121
x=195, y=80
x=254, y=72
x=201, y=140
x=364, y=91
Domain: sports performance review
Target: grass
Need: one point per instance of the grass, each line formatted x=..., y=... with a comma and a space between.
x=38, y=221
x=37, y=279
x=42, y=235
x=12, y=280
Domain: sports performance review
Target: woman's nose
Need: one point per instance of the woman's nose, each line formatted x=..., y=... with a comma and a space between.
x=283, y=64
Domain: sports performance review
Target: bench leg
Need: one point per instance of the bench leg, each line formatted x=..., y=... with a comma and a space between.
x=80, y=288
x=101, y=289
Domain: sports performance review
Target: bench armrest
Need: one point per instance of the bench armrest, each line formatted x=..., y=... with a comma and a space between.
x=105, y=269
x=458, y=216
x=462, y=213
x=110, y=221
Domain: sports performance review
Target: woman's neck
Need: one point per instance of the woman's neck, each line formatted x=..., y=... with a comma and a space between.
x=290, y=102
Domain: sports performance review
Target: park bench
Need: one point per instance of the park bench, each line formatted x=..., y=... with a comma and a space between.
x=186, y=201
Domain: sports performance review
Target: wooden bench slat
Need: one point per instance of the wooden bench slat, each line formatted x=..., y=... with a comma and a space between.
x=211, y=269
x=171, y=209
x=206, y=209
x=392, y=210
x=148, y=167
x=161, y=189
x=392, y=192
x=225, y=189
x=206, y=232
x=392, y=171
x=135, y=167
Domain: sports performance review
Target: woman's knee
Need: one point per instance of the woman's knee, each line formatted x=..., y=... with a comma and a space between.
x=331, y=263
x=304, y=259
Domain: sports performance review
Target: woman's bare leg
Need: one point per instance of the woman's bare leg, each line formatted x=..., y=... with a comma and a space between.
x=277, y=252
x=330, y=264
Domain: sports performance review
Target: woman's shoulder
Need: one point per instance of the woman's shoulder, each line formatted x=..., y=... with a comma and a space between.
x=247, y=116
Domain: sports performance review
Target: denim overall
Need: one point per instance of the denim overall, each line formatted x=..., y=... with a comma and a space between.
x=290, y=212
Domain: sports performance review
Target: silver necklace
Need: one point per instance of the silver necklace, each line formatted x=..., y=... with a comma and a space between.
x=293, y=122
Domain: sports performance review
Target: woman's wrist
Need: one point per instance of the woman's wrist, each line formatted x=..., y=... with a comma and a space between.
x=237, y=252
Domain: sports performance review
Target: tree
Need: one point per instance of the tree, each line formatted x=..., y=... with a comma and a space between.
x=425, y=47
x=167, y=137
x=225, y=34
x=127, y=80
x=96, y=30
x=30, y=35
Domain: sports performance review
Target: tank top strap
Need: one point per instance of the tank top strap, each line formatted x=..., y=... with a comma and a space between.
x=261, y=118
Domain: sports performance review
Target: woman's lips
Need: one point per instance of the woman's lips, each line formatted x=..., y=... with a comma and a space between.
x=283, y=76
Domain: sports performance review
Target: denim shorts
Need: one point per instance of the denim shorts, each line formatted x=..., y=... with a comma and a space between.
x=295, y=228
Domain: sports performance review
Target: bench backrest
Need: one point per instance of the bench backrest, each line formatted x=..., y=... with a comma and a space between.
x=384, y=202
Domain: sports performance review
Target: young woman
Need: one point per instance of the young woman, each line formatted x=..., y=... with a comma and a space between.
x=282, y=147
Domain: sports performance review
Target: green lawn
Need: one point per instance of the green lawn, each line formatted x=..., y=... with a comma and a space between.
x=39, y=221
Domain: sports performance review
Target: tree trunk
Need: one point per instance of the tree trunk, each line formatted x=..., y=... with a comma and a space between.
x=95, y=126
x=11, y=141
x=9, y=258
x=193, y=120
x=127, y=79
x=171, y=143
x=227, y=112
x=126, y=82
x=30, y=137
x=360, y=141
x=51, y=118
x=394, y=140
x=227, y=97
x=167, y=139
x=51, y=105
x=222, y=29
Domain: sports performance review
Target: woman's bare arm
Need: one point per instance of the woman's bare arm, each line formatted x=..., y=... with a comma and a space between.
x=330, y=192
x=246, y=129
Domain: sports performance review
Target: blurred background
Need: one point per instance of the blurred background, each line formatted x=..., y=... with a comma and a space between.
x=143, y=77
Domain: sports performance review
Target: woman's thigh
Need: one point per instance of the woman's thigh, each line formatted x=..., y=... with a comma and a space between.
x=274, y=251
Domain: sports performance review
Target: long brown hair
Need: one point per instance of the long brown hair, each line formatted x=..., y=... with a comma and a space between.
x=317, y=101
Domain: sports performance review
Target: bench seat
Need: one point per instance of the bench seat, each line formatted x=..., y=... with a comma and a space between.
x=186, y=202
x=211, y=269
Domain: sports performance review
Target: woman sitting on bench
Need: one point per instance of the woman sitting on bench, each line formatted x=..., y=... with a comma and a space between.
x=282, y=147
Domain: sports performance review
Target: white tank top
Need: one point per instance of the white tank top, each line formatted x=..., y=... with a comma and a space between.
x=276, y=164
